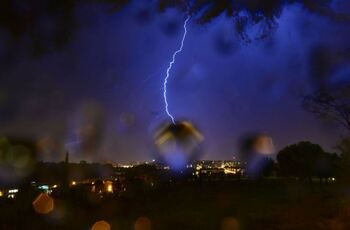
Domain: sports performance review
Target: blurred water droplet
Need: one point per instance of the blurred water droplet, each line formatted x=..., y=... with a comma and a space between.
x=178, y=144
x=43, y=204
x=229, y=223
x=101, y=225
x=143, y=223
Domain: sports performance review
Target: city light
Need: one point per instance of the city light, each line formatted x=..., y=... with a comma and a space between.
x=43, y=187
x=12, y=193
x=229, y=171
x=109, y=188
x=13, y=190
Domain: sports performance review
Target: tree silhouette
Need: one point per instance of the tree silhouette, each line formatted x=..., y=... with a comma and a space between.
x=24, y=19
x=344, y=148
x=332, y=105
x=300, y=160
x=327, y=166
x=268, y=166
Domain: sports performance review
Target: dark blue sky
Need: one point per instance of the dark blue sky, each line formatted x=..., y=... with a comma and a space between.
x=103, y=90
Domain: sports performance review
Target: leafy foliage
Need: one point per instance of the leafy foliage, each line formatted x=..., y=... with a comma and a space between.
x=50, y=25
x=306, y=160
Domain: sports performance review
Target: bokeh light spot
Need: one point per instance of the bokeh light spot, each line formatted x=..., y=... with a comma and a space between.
x=101, y=225
x=43, y=204
x=143, y=223
x=229, y=223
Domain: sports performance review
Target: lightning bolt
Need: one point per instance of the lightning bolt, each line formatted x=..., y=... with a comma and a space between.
x=169, y=68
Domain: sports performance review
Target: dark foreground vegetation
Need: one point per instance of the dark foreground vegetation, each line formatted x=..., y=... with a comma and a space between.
x=307, y=188
x=180, y=204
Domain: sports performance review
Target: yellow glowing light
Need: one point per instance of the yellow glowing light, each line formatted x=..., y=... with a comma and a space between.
x=54, y=186
x=109, y=188
x=74, y=182
x=1, y=193
x=228, y=171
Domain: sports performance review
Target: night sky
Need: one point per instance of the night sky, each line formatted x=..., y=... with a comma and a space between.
x=100, y=97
